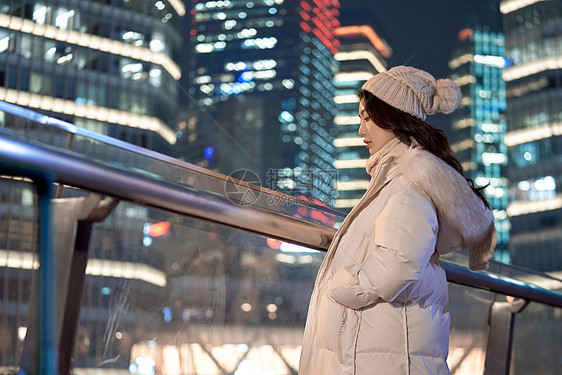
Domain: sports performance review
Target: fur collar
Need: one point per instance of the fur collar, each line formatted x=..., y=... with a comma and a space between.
x=464, y=221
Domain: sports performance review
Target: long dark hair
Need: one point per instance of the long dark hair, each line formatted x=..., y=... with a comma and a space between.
x=406, y=126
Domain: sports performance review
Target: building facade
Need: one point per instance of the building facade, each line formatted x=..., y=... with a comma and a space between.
x=261, y=86
x=533, y=35
x=106, y=66
x=361, y=55
x=479, y=125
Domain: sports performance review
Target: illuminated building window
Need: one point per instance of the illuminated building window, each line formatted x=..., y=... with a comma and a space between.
x=463, y=145
x=340, y=99
x=288, y=83
x=508, y=6
x=204, y=48
x=134, y=38
x=532, y=190
x=4, y=41
x=260, y=43
x=64, y=33
x=130, y=69
x=517, y=208
x=158, y=43
x=40, y=13
x=90, y=111
x=354, y=163
x=64, y=18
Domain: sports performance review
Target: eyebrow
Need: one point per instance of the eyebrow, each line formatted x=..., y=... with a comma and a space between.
x=363, y=112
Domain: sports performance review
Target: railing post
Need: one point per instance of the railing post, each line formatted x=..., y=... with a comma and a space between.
x=47, y=301
x=500, y=336
x=83, y=212
x=73, y=220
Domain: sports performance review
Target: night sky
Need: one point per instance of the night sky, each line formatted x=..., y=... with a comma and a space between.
x=422, y=34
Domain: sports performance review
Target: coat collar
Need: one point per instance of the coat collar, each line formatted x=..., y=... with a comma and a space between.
x=389, y=150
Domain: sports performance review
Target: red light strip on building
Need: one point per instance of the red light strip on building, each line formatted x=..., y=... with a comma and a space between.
x=324, y=22
x=320, y=5
x=326, y=17
x=306, y=6
x=368, y=32
x=319, y=13
x=305, y=16
x=323, y=28
x=325, y=41
x=305, y=27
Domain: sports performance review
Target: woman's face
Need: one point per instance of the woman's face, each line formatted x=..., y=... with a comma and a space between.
x=373, y=136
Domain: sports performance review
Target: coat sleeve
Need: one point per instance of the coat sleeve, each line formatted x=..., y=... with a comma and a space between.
x=404, y=240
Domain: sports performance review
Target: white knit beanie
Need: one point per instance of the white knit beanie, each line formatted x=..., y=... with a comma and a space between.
x=414, y=91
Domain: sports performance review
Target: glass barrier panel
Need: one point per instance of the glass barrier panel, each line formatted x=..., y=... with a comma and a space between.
x=469, y=309
x=537, y=341
x=185, y=296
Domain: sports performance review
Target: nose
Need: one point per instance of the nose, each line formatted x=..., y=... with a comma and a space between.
x=361, y=130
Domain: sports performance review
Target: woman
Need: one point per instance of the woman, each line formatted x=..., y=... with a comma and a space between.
x=379, y=304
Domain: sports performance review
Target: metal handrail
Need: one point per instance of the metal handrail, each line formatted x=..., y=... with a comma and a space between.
x=117, y=143
x=69, y=169
x=72, y=170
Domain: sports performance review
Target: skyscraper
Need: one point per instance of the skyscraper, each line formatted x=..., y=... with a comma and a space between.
x=533, y=30
x=479, y=125
x=106, y=66
x=362, y=54
x=262, y=85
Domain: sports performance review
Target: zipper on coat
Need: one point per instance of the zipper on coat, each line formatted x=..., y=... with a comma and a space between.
x=341, y=331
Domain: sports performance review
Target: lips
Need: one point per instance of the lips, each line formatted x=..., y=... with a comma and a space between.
x=367, y=143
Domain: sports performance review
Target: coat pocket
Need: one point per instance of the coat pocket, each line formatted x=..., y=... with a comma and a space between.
x=341, y=331
x=345, y=288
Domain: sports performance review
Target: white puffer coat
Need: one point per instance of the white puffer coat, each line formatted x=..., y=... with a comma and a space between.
x=379, y=304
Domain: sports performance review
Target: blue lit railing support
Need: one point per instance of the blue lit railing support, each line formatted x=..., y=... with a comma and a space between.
x=47, y=301
x=44, y=346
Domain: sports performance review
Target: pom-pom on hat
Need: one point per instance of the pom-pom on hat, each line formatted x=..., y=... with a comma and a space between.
x=414, y=91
